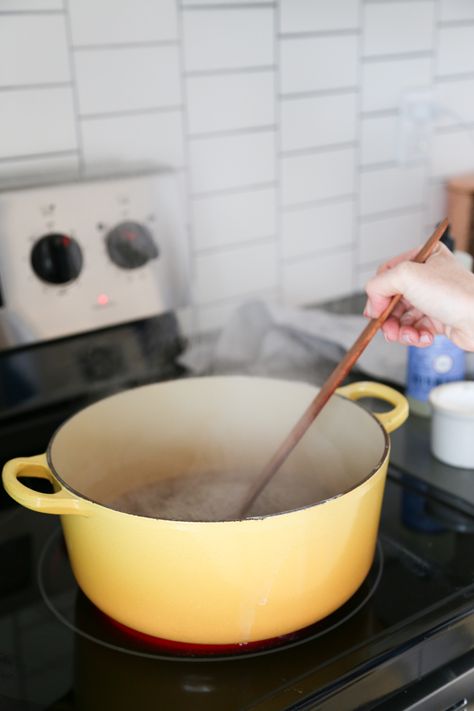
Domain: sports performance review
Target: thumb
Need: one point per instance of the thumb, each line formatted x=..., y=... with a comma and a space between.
x=380, y=290
x=375, y=305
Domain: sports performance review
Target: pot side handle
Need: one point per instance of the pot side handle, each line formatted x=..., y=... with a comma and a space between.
x=390, y=420
x=61, y=502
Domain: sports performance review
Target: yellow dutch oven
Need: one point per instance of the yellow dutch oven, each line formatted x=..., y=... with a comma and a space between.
x=219, y=582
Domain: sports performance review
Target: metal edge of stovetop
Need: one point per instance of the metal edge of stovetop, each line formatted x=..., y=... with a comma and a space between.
x=370, y=684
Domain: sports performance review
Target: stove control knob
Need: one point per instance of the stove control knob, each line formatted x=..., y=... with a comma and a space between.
x=130, y=245
x=56, y=258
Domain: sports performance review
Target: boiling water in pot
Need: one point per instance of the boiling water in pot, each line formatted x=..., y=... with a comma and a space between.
x=198, y=497
x=216, y=496
x=210, y=495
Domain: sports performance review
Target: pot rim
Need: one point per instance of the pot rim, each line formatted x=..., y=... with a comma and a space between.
x=68, y=487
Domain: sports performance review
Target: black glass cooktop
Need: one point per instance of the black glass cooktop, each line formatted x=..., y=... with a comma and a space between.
x=413, y=612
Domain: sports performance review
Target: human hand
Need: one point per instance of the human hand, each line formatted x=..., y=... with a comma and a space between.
x=438, y=298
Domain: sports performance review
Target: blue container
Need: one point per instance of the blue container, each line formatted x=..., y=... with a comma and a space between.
x=442, y=362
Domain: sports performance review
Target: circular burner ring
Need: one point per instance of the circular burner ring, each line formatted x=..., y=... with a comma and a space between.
x=124, y=639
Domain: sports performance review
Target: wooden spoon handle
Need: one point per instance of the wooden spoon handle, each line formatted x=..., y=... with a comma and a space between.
x=333, y=382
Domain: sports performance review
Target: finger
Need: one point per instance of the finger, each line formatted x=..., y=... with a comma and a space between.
x=408, y=335
x=375, y=305
x=390, y=329
x=410, y=317
x=426, y=339
x=425, y=324
x=399, y=310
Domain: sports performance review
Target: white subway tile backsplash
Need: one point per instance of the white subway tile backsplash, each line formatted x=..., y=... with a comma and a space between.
x=150, y=74
x=152, y=138
x=382, y=239
x=230, y=101
x=384, y=82
x=212, y=317
x=123, y=21
x=235, y=272
x=322, y=277
x=317, y=176
x=454, y=10
x=232, y=218
x=228, y=38
x=454, y=101
x=312, y=121
x=436, y=202
x=33, y=50
x=379, y=139
x=317, y=228
x=398, y=27
x=455, y=55
x=281, y=117
x=318, y=15
x=224, y=162
x=316, y=63
x=452, y=152
x=363, y=274
x=391, y=188
x=36, y=121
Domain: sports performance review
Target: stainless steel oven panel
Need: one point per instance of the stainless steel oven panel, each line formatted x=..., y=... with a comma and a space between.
x=84, y=255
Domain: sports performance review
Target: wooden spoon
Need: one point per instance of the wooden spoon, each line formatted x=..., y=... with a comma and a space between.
x=333, y=382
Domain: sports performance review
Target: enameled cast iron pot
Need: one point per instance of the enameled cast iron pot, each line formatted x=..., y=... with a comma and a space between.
x=219, y=582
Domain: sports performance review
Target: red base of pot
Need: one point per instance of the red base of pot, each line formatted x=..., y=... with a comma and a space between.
x=149, y=642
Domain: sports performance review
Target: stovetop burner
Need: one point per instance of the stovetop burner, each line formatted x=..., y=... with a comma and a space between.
x=85, y=619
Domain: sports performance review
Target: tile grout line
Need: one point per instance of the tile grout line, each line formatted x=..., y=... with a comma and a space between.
x=311, y=204
x=105, y=46
x=394, y=212
x=428, y=162
x=33, y=13
x=235, y=246
x=446, y=78
x=130, y=112
x=277, y=158
x=38, y=156
x=373, y=167
x=224, y=71
x=395, y=56
x=358, y=155
x=224, y=133
x=378, y=113
x=382, y=2
x=75, y=88
x=244, y=188
x=323, y=148
x=336, y=91
x=187, y=175
x=36, y=87
x=262, y=5
x=467, y=22
x=317, y=34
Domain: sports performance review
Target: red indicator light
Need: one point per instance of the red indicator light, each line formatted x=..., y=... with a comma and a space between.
x=131, y=236
x=66, y=241
x=102, y=299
